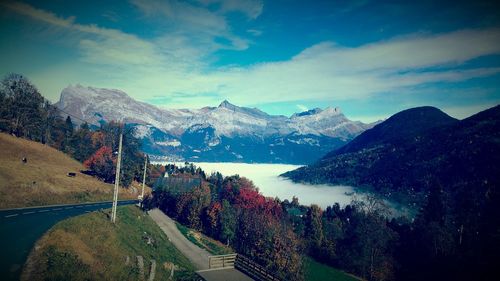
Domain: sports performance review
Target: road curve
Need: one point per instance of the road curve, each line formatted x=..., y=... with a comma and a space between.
x=20, y=228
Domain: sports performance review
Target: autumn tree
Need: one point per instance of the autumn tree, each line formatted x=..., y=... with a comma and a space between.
x=211, y=219
x=102, y=164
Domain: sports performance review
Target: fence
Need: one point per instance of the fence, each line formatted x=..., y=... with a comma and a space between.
x=253, y=269
x=221, y=261
x=243, y=264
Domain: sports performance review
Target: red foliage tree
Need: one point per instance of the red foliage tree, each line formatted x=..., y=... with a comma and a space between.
x=212, y=217
x=249, y=197
x=102, y=163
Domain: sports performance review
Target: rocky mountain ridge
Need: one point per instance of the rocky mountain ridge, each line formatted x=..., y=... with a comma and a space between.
x=222, y=133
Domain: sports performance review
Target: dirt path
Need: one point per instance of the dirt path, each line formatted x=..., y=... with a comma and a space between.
x=197, y=256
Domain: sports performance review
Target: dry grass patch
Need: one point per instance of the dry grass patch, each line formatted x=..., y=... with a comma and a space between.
x=43, y=179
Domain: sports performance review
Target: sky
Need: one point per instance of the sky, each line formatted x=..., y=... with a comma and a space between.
x=370, y=58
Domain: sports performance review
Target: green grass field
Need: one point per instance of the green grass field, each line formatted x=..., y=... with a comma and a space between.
x=315, y=271
x=212, y=246
x=90, y=247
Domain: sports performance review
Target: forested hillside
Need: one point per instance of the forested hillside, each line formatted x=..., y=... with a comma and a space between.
x=449, y=169
x=25, y=113
x=449, y=239
x=403, y=157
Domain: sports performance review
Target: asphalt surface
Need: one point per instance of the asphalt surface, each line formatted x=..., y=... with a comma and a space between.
x=198, y=256
x=21, y=228
x=226, y=274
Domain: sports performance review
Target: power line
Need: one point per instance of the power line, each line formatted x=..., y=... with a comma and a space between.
x=69, y=114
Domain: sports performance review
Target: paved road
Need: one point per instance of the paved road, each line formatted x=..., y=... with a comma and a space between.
x=21, y=228
x=227, y=274
x=196, y=255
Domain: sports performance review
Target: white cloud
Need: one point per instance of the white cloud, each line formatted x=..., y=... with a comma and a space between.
x=255, y=32
x=408, y=52
x=195, y=22
x=98, y=45
x=330, y=72
x=175, y=63
x=302, y=107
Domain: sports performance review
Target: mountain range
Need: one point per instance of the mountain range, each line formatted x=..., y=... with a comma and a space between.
x=413, y=151
x=226, y=133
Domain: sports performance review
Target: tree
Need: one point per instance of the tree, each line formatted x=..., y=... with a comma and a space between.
x=132, y=158
x=227, y=220
x=367, y=245
x=211, y=219
x=68, y=127
x=81, y=143
x=200, y=201
x=102, y=164
x=314, y=227
x=23, y=107
x=431, y=242
x=68, y=144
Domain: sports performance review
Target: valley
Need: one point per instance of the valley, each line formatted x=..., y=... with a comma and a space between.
x=239, y=140
x=267, y=178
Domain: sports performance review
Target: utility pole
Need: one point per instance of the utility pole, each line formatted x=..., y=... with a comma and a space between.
x=144, y=177
x=117, y=180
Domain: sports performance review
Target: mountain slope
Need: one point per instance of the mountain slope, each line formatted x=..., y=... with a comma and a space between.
x=406, y=123
x=223, y=133
x=454, y=154
x=43, y=179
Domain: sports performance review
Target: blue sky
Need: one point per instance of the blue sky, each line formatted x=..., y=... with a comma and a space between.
x=371, y=58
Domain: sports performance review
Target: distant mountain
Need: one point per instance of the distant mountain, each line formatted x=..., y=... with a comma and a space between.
x=224, y=133
x=413, y=150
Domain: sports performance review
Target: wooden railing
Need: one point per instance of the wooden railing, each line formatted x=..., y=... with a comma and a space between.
x=242, y=263
x=253, y=269
x=221, y=261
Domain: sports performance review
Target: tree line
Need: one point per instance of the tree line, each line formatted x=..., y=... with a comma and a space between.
x=25, y=113
x=231, y=210
x=359, y=238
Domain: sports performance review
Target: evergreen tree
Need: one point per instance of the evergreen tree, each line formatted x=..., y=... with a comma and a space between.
x=82, y=143
x=227, y=222
x=314, y=227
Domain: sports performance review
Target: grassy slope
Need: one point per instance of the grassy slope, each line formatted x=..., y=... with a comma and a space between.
x=89, y=247
x=212, y=246
x=315, y=271
x=43, y=179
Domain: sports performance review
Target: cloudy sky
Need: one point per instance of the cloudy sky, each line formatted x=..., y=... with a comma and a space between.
x=371, y=58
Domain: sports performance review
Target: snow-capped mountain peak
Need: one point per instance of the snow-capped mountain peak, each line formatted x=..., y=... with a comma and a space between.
x=227, y=104
x=208, y=128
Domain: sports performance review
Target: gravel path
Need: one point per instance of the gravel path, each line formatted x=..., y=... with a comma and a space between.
x=197, y=256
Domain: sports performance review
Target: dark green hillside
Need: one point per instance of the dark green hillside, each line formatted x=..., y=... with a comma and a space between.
x=407, y=123
x=414, y=149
